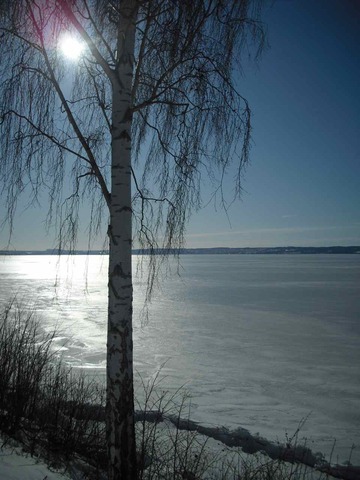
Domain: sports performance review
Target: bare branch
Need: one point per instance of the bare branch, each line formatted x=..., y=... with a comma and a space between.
x=69, y=113
x=70, y=16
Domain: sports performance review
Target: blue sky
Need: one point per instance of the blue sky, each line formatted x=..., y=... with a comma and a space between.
x=303, y=184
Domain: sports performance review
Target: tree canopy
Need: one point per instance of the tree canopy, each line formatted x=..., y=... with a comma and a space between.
x=188, y=119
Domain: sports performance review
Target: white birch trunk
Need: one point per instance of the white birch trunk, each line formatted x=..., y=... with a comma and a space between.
x=120, y=389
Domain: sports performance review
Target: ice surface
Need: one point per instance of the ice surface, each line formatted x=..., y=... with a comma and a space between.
x=259, y=341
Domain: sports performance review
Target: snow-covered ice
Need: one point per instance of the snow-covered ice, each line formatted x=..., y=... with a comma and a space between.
x=260, y=342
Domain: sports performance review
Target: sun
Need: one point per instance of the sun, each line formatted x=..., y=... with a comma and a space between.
x=71, y=47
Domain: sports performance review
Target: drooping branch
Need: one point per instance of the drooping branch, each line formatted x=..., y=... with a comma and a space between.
x=74, y=124
x=71, y=17
x=43, y=133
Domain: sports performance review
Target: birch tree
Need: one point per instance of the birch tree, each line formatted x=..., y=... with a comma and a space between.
x=149, y=110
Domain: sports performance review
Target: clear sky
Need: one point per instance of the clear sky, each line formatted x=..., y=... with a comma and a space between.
x=303, y=184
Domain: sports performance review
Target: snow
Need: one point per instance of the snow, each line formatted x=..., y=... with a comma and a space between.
x=15, y=464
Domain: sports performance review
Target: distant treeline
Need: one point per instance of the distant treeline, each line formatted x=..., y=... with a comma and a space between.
x=201, y=251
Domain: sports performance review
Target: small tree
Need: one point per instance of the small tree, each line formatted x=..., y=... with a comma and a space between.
x=151, y=104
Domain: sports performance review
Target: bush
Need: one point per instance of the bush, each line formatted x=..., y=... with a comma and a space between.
x=43, y=402
x=25, y=357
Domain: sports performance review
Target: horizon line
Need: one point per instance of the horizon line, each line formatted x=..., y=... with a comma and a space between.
x=55, y=251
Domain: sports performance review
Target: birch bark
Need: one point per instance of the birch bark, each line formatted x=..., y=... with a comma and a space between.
x=120, y=390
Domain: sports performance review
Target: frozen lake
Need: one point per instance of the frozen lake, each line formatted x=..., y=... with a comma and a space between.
x=260, y=341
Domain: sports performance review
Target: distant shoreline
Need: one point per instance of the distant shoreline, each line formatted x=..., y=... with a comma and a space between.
x=203, y=251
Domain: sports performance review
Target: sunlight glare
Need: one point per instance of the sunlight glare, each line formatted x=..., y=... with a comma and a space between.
x=71, y=47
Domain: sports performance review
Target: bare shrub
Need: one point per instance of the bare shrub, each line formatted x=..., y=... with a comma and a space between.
x=164, y=449
x=25, y=357
x=42, y=401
